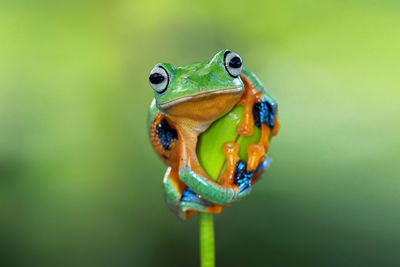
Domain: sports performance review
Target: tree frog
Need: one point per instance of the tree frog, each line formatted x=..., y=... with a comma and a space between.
x=187, y=100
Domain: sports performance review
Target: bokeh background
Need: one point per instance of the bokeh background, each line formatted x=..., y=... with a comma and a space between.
x=81, y=186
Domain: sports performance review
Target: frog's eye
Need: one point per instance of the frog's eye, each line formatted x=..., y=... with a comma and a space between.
x=159, y=79
x=233, y=64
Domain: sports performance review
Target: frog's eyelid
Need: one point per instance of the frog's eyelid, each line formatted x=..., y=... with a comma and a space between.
x=217, y=59
x=214, y=58
x=167, y=67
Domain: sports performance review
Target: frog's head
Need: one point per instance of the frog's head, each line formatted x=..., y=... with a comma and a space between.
x=200, y=91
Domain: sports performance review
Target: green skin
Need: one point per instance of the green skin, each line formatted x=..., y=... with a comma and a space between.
x=186, y=81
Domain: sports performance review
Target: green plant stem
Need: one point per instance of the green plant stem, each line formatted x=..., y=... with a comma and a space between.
x=206, y=230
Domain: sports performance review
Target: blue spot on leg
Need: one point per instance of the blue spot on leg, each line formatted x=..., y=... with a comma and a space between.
x=191, y=197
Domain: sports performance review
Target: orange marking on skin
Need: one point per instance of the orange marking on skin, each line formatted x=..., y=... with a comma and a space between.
x=249, y=98
x=230, y=150
x=255, y=152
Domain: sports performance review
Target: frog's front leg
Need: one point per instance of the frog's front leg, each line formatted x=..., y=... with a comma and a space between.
x=182, y=200
x=193, y=175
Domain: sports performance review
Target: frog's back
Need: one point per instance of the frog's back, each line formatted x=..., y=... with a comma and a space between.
x=163, y=136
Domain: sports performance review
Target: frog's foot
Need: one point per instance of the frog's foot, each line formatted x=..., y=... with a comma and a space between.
x=265, y=119
x=243, y=177
x=236, y=171
x=192, y=203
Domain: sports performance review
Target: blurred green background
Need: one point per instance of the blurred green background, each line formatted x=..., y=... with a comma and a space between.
x=81, y=186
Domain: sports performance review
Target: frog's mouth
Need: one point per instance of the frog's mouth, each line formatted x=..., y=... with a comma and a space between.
x=198, y=96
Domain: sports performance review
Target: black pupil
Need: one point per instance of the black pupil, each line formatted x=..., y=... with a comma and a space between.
x=156, y=78
x=235, y=62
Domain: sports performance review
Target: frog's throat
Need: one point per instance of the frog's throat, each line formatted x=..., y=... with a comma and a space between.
x=176, y=101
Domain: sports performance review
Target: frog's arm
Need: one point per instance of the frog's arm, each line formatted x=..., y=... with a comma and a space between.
x=193, y=175
x=210, y=190
x=183, y=201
